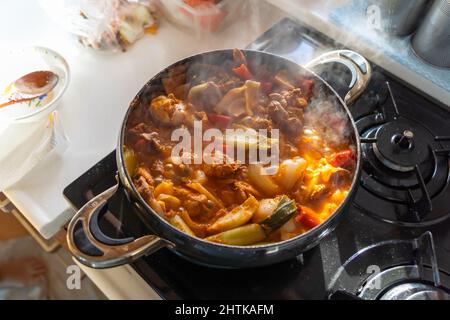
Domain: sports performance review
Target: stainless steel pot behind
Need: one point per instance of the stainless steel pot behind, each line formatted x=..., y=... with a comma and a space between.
x=397, y=17
x=432, y=40
x=99, y=251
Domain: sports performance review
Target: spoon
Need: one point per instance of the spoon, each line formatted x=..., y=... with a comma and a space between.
x=31, y=86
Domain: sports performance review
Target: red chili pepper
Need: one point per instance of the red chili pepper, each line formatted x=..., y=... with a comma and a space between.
x=219, y=120
x=242, y=72
x=307, y=217
x=342, y=159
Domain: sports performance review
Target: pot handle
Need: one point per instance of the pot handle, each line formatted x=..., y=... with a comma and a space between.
x=358, y=65
x=104, y=252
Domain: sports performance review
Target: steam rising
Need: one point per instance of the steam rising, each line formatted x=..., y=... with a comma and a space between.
x=329, y=120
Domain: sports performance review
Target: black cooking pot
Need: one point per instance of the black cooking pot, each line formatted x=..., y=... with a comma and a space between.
x=109, y=252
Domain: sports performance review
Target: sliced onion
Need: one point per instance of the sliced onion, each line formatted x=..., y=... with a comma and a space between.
x=265, y=209
x=261, y=181
x=290, y=171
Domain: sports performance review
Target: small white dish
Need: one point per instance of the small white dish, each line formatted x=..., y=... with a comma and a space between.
x=15, y=63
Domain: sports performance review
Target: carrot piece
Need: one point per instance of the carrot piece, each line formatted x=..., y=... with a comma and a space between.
x=307, y=217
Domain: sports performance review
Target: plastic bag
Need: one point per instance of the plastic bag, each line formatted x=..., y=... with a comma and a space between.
x=103, y=24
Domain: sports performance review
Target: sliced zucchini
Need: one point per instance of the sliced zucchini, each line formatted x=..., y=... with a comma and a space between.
x=242, y=236
x=285, y=210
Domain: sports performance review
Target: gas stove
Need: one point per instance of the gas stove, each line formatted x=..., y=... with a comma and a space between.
x=393, y=243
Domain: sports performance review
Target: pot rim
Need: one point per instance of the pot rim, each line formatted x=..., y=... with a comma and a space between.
x=123, y=173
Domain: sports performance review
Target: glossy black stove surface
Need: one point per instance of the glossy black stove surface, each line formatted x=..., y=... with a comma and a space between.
x=308, y=276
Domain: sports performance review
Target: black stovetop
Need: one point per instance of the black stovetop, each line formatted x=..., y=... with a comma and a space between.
x=414, y=207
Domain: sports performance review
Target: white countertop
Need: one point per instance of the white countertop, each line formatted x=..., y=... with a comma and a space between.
x=101, y=88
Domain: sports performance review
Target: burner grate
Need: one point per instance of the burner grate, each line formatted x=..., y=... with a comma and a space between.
x=400, y=270
x=405, y=166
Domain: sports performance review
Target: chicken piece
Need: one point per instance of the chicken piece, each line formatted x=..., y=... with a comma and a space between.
x=221, y=170
x=295, y=98
x=247, y=188
x=215, y=202
x=291, y=99
x=195, y=203
x=134, y=134
x=256, y=123
x=197, y=197
x=228, y=197
x=285, y=112
x=143, y=187
x=146, y=191
x=158, y=171
x=168, y=110
x=219, y=165
x=278, y=97
x=277, y=112
x=144, y=173
x=150, y=143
